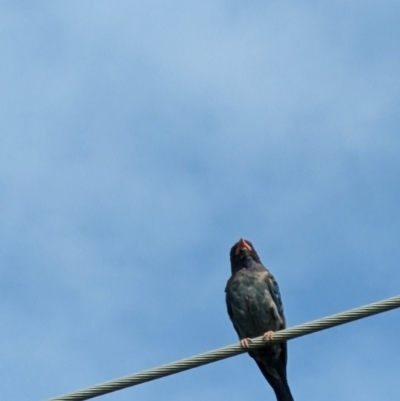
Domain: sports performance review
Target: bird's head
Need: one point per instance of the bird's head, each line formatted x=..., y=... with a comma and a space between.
x=243, y=256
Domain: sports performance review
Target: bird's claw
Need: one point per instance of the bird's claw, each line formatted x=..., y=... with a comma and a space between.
x=244, y=342
x=268, y=335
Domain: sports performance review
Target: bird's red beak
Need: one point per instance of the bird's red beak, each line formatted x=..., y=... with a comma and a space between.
x=242, y=244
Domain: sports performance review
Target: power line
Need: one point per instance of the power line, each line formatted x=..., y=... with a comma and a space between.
x=231, y=350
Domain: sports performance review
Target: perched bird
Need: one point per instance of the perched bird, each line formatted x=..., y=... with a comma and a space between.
x=255, y=308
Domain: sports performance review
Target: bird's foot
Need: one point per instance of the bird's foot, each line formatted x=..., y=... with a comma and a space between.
x=268, y=335
x=244, y=342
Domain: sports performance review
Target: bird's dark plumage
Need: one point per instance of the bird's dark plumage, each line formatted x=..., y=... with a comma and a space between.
x=255, y=308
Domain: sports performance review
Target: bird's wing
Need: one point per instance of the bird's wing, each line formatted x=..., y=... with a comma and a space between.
x=276, y=295
x=230, y=312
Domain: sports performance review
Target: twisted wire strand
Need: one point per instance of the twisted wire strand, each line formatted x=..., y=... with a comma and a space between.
x=231, y=350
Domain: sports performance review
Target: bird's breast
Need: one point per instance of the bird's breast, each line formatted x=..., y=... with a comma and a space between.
x=251, y=304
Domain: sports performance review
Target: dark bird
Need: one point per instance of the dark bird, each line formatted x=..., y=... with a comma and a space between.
x=255, y=308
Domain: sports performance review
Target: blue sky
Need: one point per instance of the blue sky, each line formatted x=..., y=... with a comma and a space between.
x=140, y=140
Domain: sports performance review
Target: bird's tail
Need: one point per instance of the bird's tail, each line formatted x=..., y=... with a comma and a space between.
x=277, y=380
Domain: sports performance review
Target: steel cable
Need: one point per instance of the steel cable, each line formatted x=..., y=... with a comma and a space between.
x=231, y=350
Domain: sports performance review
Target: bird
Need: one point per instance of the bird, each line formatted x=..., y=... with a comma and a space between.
x=255, y=309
